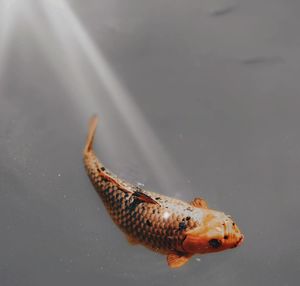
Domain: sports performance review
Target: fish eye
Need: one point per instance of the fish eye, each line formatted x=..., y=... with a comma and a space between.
x=215, y=243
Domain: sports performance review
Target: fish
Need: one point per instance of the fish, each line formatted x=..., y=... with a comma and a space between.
x=172, y=227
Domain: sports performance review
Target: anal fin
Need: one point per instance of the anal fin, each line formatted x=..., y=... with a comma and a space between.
x=132, y=240
x=199, y=203
x=177, y=260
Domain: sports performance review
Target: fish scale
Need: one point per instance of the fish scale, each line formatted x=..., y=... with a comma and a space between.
x=159, y=226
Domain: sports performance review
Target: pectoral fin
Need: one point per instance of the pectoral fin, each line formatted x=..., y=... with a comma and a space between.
x=177, y=260
x=199, y=203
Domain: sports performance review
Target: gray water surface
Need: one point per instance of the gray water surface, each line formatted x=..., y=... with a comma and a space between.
x=195, y=98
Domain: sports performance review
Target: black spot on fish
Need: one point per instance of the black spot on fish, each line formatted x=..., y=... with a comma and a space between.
x=225, y=236
x=148, y=222
x=188, y=218
x=153, y=211
x=158, y=198
x=133, y=205
x=182, y=226
x=102, y=169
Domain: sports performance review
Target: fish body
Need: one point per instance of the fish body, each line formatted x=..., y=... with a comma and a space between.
x=166, y=225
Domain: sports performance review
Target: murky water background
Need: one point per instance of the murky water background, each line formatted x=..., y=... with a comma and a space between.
x=196, y=98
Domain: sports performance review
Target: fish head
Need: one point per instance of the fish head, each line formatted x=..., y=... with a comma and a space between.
x=215, y=232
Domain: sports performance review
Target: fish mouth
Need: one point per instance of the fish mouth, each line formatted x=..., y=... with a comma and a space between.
x=239, y=242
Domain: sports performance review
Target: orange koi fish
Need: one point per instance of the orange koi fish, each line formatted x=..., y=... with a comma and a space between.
x=166, y=225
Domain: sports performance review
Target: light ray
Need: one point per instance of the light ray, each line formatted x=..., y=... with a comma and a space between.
x=70, y=50
x=155, y=154
x=8, y=18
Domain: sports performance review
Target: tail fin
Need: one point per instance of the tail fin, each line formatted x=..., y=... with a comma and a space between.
x=91, y=133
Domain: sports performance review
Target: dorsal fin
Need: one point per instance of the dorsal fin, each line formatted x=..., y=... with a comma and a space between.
x=115, y=181
x=199, y=203
x=144, y=198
